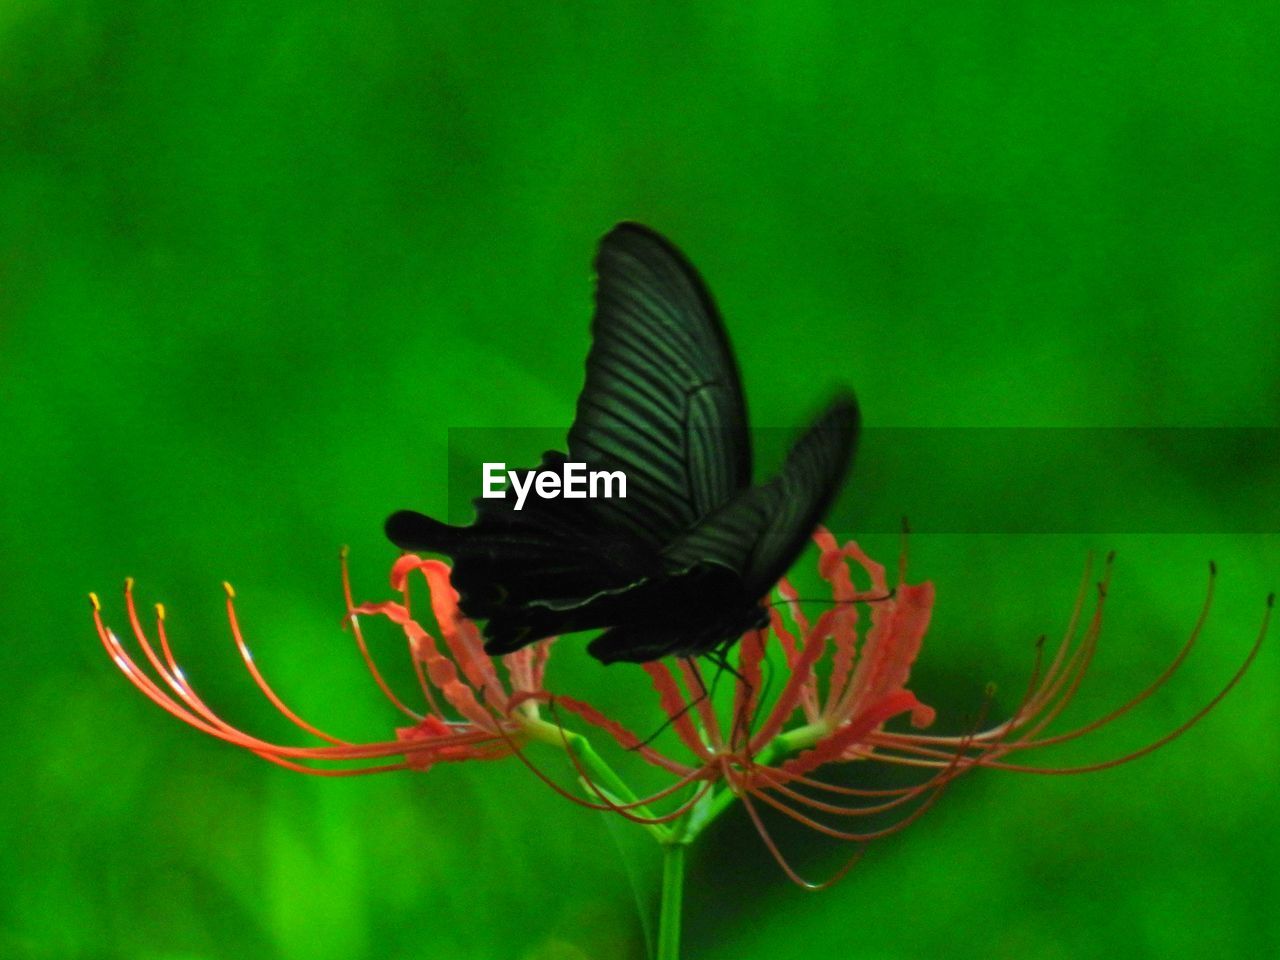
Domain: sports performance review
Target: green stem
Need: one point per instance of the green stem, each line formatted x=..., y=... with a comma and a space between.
x=717, y=802
x=602, y=774
x=676, y=837
x=672, y=895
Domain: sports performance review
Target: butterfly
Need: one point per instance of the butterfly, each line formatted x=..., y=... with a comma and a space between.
x=682, y=564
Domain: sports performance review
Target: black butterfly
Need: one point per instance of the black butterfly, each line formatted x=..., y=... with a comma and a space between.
x=682, y=564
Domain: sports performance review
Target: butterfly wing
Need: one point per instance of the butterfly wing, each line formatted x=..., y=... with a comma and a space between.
x=663, y=404
x=550, y=550
x=760, y=532
x=717, y=573
x=649, y=617
x=662, y=400
x=803, y=492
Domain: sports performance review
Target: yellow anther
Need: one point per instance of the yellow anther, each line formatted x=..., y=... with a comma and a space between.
x=344, y=551
x=160, y=610
x=128, y=584
x=93, y=598
x=231, y=593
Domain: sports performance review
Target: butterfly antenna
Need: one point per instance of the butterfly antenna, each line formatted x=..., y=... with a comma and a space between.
x=720, y=657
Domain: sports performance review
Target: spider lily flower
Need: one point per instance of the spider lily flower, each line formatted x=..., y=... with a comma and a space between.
x=452, y=670
x=468, y=711
x=842, y=688
x=864, y=688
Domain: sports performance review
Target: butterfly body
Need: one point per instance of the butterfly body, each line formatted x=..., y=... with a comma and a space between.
x=681, y=565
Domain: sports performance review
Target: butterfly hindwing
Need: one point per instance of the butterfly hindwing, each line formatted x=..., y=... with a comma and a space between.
x=655, y=610
x=761, y=531
x=550, y=550
x=801, y=494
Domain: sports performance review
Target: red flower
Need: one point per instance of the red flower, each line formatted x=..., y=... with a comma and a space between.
x=843, y=685
x=485, y=724
x=844, y=715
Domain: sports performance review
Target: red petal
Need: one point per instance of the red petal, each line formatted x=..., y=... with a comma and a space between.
x=833, y=746
x=674, y=706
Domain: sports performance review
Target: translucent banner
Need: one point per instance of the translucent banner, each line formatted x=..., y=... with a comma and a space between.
x=987, y=480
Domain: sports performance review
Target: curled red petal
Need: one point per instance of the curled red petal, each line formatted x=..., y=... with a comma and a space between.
x=831, y=747
x=789, y=594
x=675, y=707
x=747, y=692
x=801, y=674
x=889, y=650
x=440, y=669
x=461, y=635
x=446, y=743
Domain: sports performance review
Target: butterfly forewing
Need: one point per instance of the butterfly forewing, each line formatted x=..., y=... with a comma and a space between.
x=662, y=400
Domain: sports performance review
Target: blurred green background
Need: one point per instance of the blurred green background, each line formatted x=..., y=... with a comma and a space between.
x=255, y=260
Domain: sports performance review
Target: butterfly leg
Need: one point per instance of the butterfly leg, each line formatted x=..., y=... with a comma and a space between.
x=703, y=694
x=720, y=657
